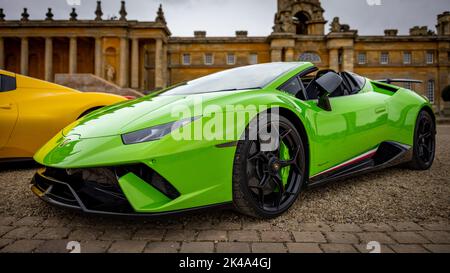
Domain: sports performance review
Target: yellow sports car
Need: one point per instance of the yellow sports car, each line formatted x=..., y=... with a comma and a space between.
x=33, y=111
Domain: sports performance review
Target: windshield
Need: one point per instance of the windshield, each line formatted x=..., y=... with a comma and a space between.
x=241, y=78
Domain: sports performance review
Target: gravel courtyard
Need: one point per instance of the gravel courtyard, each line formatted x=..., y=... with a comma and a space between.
x=409, y=210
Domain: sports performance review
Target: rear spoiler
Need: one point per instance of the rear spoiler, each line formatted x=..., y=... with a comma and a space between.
x=389, y=81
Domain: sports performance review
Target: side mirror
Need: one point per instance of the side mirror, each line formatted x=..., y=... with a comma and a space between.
x=327, y=84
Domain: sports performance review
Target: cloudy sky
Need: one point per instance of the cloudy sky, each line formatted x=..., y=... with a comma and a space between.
x=223, y=17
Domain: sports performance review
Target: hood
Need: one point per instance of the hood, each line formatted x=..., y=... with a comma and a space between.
x=129, y=116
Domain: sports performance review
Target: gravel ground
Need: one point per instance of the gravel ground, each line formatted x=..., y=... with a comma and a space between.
x=393, y=194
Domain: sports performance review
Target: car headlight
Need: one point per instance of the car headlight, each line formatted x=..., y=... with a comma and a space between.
x=156, y=132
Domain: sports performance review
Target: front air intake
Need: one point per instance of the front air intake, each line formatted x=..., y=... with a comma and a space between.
x=151, y=177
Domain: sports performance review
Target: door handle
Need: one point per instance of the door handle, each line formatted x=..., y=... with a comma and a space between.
x=380, y=110
x=6, y=106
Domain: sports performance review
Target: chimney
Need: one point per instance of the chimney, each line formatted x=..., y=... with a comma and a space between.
x=241, y=34
x=200, y=34
x=391, y=32
x=418, y=31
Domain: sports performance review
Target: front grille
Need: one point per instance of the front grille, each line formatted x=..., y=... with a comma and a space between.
x=97, y=188
x=102, y=178
x=56, y=191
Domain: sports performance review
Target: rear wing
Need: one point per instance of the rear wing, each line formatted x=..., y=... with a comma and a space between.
x=389, y=81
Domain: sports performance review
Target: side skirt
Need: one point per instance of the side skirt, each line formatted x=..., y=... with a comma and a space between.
x=385, y=155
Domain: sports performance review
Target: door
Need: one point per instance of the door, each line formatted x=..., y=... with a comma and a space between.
x=149, y=68
x=8, y=109
x=354, y=126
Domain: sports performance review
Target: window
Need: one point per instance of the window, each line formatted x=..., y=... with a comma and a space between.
x=7, y=83
x=430, y=91
x=231, y=59
x=186, y=59
x=209, y=59
x=384, y=58
x=310, y=57
x=362, y=58
x=253, y=58
x=292, y=86
x=356, y=82
x=240, y=78
x=407, y=58
x=430, y=57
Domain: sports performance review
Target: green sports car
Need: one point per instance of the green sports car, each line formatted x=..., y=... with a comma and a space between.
x=251, y=138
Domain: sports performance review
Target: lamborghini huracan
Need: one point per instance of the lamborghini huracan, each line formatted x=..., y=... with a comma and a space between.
x=299, y=127
x=33, y=111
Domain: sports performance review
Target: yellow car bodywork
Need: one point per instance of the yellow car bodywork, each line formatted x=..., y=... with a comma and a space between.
x=36, y=110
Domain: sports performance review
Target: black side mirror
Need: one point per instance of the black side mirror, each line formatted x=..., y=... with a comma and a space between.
x=327, y=84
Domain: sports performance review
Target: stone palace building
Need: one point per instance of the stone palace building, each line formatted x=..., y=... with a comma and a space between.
x=145, y=56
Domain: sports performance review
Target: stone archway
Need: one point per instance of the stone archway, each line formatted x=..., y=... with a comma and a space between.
x=302, y=20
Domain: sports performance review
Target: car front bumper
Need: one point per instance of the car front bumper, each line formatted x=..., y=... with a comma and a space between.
x=54, y=186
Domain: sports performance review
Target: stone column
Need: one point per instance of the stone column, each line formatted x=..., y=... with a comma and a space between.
x=443, y=76
x=348, y=59
x=289, y=55
x=48, y=65
x=73, y=47
x=2, y=53
x=123, y=74
x=98, y=56
x=159, y=76
x=334, y=59
x=24, y=56
x=165, y=65
x=275, y=55
x=135, y=63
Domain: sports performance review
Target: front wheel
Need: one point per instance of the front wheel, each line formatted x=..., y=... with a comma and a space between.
x=424, y=142
x=266, y=182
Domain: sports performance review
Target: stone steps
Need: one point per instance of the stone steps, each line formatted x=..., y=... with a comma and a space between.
x=92, y=83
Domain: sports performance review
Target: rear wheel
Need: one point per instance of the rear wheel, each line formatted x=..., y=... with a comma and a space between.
x=424, y=142
x=266, y=182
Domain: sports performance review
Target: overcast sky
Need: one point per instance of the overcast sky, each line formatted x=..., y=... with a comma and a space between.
x=223, y=17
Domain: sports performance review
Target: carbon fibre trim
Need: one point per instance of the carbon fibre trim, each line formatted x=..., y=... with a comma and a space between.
x=385, y=155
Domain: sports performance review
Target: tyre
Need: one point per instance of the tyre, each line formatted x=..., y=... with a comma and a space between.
x=424, y=146
x=266, y=182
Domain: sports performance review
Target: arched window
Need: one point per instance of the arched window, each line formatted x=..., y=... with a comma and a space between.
x=302, y=22
x=310, y=57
